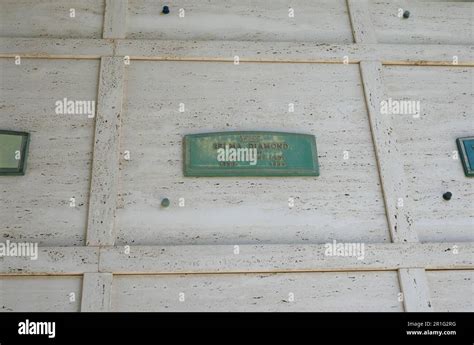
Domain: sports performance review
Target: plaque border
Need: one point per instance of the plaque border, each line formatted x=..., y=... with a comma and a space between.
x=189, y=171
x=464, y=158
x=24, y=154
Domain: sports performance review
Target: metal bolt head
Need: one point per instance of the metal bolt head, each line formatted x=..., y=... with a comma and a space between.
x=165, y=202
x=406, y=14
x=166, y=10
x=447, y=196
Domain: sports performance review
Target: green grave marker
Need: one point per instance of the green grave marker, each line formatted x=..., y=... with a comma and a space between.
x=250, y=154
x=13, y=152
x=466, y=151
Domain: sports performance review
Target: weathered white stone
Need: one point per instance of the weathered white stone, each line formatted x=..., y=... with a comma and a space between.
x=46, y=18
x=332, y=291
x=37, y=207
x=40, y=294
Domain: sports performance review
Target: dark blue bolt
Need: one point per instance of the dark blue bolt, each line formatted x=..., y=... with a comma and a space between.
x=406, y=14
x=165, y=202
x=166, y=10
x=447, y=196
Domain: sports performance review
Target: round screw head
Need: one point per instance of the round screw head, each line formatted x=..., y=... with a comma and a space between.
x=447, y=196
x=165, y=202
x=406, y=14
x=166, y=10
